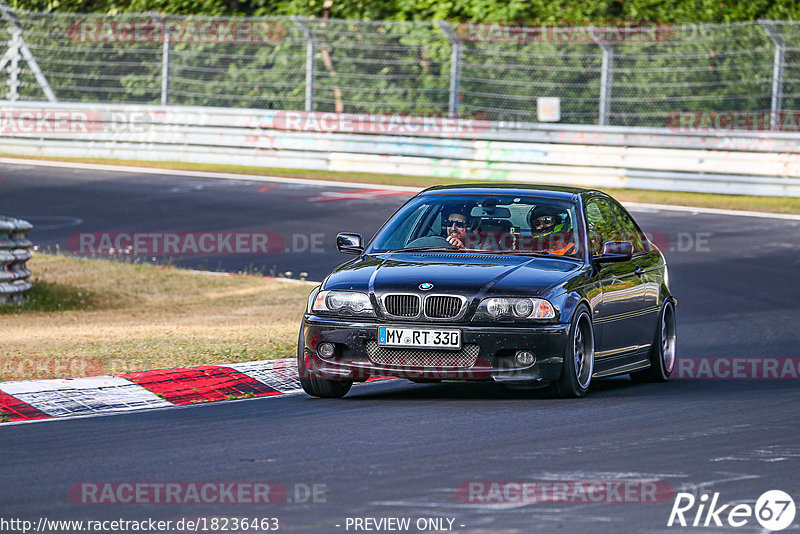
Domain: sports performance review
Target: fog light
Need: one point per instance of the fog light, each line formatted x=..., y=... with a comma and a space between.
x=524, y=357
x=326, y=350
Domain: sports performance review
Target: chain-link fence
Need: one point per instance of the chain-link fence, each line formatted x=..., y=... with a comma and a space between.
x=635, y=77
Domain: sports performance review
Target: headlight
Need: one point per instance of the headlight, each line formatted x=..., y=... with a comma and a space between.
x=514, y=308
x=343, y=303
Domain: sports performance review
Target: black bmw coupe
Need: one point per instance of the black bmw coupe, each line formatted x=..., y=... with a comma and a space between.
x=526, y=285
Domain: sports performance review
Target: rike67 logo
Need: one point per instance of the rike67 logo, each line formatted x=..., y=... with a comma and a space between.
x=774, y=510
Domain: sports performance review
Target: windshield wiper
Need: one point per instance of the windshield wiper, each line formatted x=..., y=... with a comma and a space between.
x=424, y=249
x=539, y=254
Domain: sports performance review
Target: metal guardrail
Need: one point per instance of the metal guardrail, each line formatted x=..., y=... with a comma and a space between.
x=171, y=118
x=643, y=158
x=15, y=251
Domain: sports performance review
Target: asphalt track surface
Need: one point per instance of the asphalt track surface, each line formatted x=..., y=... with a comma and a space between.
x=396, y=449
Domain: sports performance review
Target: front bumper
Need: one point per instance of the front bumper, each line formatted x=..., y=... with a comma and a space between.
x=496, y=345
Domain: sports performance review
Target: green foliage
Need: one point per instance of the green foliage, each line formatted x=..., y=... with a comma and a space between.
x=676, y=11
x=403, y=62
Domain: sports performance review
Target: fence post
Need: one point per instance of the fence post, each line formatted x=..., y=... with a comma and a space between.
x=777, y=73
x=12, y=57
x=605, y=78
x=23, y=50
x=311, y=53
x=165, y=58
x=455, y=67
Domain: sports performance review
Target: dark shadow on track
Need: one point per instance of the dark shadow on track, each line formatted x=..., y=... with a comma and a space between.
x=619, y=387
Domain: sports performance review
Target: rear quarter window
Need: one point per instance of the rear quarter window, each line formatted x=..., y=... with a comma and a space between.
x=630, y=232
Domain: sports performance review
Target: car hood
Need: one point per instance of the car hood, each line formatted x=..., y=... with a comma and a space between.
x=456, y=273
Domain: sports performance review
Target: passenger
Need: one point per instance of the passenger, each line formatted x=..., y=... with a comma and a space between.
x=551, y=230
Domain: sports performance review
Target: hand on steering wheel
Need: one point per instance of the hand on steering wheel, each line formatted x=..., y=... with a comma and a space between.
x=456, y=242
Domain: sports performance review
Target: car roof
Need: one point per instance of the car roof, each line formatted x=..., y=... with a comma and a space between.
x=545, y=190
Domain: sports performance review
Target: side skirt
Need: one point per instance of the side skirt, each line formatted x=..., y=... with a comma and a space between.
x=620, y=364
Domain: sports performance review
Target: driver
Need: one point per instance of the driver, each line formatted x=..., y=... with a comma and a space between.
x=455, y=227
x=551, y=230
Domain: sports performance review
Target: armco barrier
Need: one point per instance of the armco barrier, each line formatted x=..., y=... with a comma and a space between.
x=15, y=251
x=755, y=163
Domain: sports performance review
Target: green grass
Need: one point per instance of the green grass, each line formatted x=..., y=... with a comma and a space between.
x=88, y=317
x=706, y=200
x=47, y=296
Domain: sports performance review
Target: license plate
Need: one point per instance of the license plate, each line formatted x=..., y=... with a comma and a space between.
x=418, y=338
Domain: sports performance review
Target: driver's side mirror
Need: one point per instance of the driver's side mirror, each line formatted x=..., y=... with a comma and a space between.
x=350, y=243
x=615, y=251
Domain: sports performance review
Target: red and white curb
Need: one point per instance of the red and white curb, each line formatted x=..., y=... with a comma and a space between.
x=42, y=399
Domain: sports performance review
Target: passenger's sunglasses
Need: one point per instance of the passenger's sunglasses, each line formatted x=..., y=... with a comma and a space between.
x=458, y=224
x=544, y=220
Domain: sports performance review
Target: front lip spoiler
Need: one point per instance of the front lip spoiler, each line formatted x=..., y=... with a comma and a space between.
x=514, y=382
x=363, y=370
x=516, y=376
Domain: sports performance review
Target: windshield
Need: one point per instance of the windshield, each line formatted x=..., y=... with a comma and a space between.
x=508, y=224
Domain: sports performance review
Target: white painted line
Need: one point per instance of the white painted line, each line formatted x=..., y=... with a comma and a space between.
x=201, y=174
x=712, y=211
x=276, y=278
x=358, y=194
x=293, y=281
x=328, y=183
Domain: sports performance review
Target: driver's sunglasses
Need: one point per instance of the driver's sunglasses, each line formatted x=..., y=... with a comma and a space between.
x=458, y=224
x=544, y=220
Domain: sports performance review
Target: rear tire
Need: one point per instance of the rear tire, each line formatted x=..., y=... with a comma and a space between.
x=662, y=353
x=315, y=386
x=578, y=367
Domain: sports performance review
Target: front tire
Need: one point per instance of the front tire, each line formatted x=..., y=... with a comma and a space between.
x=315, y=386
x=662, y=353
x=578, y=367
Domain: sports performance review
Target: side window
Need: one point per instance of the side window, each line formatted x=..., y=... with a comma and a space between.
x=602, y=225
x=630, y=232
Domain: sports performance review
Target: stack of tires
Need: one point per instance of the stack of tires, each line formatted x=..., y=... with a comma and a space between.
x=15, y=251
